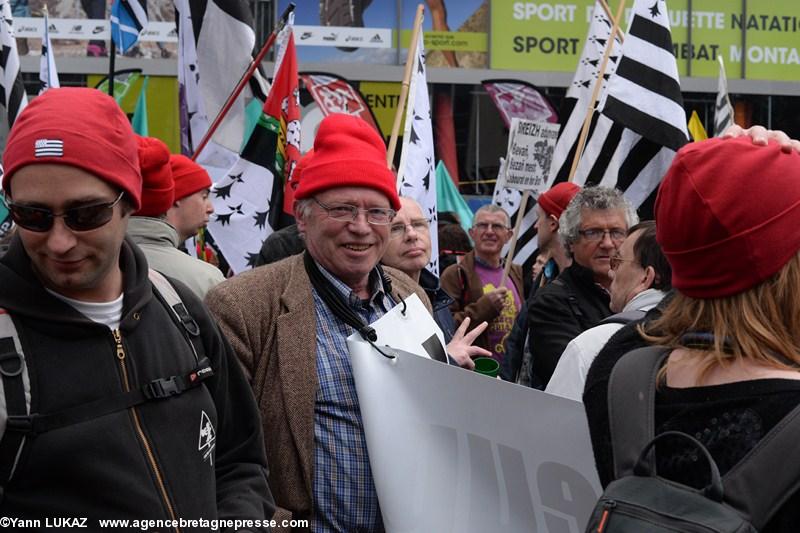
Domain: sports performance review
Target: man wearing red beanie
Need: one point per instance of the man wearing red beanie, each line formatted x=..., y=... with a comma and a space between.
x=149, y=228
x=192, y=206
x=119, y=405
x=289, y=321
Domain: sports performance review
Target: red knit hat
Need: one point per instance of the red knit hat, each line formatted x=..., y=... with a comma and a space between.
x=348, y=152
x=158, y=189
x=189, y=176
x=554, y=201
x=80, y=127
x=728, y=214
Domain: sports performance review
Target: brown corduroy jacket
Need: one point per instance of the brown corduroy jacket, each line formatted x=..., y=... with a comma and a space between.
x=267, y=314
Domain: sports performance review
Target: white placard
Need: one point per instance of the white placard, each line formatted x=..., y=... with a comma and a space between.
x=455, y=451
x=530, y=152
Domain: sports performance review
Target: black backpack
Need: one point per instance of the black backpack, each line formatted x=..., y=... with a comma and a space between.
x=639, y=501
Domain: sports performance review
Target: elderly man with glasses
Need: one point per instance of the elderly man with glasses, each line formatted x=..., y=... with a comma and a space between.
x=289, y=321
x=476, y=282
x=109, y=392
x=591, y=228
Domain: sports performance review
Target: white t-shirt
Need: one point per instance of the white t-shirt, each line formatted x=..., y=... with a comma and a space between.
x=107, y=313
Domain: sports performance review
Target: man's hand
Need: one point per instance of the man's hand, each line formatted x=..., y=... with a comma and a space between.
x=460, y=347
x=761, y=136
x=497, y=298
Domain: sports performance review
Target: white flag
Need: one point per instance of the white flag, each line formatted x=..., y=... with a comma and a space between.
x=416, y=177
x=13, y=98
x=723, y=114
x=48, y=76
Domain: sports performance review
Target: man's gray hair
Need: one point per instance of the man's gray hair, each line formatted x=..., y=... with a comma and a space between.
x=596, y=199
x=303, y=207
x=492, y=208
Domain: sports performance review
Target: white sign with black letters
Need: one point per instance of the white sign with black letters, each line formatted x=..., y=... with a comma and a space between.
x=455, y=451
x=530, y=153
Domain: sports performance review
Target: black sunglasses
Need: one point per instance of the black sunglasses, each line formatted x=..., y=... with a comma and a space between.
x=84, y=218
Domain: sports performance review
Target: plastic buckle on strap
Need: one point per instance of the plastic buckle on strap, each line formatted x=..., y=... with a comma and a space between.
x=20, y=423
x=161, y=388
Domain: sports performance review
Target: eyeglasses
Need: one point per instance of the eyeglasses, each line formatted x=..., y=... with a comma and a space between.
x=377, y=216
x=83, y=218
x=399, y=229
x=597, y=234
x=616, y=261
x=483, y=226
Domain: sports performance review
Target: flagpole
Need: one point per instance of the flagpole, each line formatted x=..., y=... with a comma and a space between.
x=112, y=56
x=243, y=81
x=607, y=9
x=598, y=84
x=515, y=236
x=398, y=116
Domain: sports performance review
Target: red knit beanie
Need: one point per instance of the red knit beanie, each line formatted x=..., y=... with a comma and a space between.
x=189, y=176
x=728, y=214
x=554, y=201
x=348, y=152
x=80, y=127
x=158, y=189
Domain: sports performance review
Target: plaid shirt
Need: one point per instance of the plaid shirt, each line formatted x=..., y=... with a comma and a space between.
x=343, y=490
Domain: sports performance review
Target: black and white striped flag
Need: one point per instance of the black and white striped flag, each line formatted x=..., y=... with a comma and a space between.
x=12, y=91
x=48, y=75
x=723, y=113
x=641, y=123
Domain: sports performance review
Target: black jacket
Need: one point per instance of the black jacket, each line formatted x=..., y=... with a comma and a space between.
x=559, y=312
x=440, y=303
x=149, y=461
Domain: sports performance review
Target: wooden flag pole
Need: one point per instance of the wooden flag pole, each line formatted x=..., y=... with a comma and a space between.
x=513, y=245
x=401, y=104
x=243, y=81
x=598, y=84
x=607, y=9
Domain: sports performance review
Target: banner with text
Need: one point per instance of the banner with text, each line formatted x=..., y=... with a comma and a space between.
x=530, y=152
x=448, y=452
x=761, y=42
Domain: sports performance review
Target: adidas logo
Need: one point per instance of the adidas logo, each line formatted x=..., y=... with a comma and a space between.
x=52, y=28
x=376, y=39
x=173, y=32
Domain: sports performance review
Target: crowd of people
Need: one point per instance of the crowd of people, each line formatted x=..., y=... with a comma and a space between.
x=135, y=369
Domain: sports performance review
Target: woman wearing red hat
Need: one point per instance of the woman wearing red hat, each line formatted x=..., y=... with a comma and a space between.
x=727, y=214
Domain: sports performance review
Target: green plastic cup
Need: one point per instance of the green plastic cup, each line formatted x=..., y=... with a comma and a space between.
x=487, y=366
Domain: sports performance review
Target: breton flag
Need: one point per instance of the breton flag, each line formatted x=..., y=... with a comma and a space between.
x=723, y=114
x=12, y=91
x=255, y=197
x=416, y=177
x=48, y=76
x=643, y=97
x=215, y=47
x=128, y=17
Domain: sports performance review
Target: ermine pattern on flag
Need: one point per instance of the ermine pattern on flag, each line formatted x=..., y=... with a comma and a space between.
x=723, y=112
x=12, y=91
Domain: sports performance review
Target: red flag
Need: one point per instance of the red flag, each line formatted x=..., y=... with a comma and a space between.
x=283, y=107
x=334, y=94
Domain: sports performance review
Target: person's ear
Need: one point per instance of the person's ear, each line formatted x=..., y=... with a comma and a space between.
x=649, y=278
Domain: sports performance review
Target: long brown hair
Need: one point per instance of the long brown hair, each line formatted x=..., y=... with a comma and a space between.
x=760, y=324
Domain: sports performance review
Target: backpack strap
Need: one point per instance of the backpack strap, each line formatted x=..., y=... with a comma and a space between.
x=768, y=475
x=631, y=406
x=16, y=395
x=624, y=317
x=167, y=294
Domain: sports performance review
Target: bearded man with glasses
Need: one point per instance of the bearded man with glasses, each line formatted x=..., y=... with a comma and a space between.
x=591, y=228
x=289, y=321
x=105, y=393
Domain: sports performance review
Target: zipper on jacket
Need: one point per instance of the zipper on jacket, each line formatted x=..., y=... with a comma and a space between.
x=642, y=513
x=608, y=506
x=135, y=414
